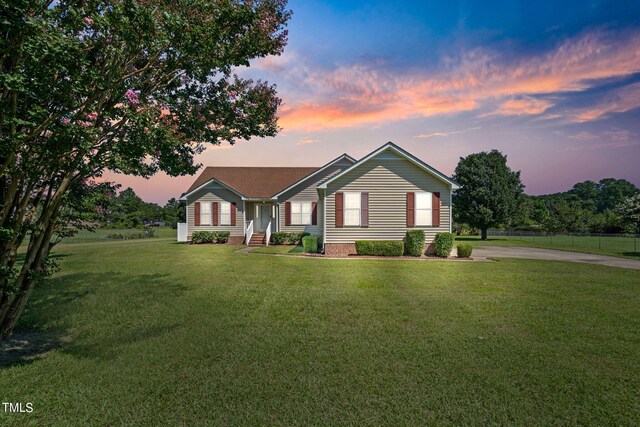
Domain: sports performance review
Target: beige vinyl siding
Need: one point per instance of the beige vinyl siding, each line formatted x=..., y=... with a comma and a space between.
x=387, y=178
x=307, y=192
x=214, y=193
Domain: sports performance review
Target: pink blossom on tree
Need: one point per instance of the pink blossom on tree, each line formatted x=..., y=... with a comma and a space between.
x=88, y=21
x=132, y=97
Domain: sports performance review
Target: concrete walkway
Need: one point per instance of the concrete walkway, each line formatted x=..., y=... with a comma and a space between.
x=554, y=255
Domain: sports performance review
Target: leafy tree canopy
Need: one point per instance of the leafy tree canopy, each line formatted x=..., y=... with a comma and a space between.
x=489, y=191
x=629, y=210
x=133, y=86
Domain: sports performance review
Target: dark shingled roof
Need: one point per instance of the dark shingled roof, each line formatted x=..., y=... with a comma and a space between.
x=254, y=182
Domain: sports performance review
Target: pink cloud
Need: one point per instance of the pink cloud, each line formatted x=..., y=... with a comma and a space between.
x=624, y=99
x=443, y=134
x=352, y=96
x=519, y=107
x=611, y=139
x=307, y=140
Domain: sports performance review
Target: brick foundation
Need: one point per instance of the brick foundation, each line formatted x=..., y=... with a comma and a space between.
x=339, y=249
x=235, y=240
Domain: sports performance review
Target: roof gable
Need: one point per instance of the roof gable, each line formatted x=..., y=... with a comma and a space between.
x=399, y=151
x=344, y=156
x=251, y=182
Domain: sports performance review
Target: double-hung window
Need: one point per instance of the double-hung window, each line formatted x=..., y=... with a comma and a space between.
x=423, y=208
x=205, y=213
x=352, y=206
x=225, y=213
x=300, y=213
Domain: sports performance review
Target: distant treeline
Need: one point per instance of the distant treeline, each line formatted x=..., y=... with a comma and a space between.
x=127, y=210
x=588, y=207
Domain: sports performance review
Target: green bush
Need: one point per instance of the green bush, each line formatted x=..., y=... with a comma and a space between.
x=414, y=242
x=444, y=244
x=142, y=234
x=278, y=238
x=380, y=247
x=464, y=250
x=311, y=244
x=222, y=237
x=296, y=238
x=199, y=237
x=282, y=238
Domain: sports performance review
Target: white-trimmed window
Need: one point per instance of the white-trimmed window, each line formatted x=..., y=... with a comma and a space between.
x=300, y=213
x=225, y=213
x=423, y=208
x=352, y=205
x=205, y=213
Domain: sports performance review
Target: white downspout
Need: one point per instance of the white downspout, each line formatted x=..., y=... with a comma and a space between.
x=324, y=217
x=450, y=209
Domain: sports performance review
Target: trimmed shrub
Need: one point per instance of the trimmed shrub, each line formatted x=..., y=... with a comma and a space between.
x=444, y=244
x=380, y=247
x=142, y=234
x=199, y=237
x=464, y=250
x=278, y=238
x=311, y=244
x=222, y=237
x=282, y=238
x=414, y=242
x=296, y=238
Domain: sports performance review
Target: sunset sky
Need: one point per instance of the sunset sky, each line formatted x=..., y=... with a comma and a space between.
x=553, y=85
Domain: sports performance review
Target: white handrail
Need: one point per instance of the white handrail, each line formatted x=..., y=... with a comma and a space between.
x=249, y=232
x=268, y=234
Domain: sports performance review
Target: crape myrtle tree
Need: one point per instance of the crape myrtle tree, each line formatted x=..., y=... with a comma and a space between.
x=132, y=86
x=489, y=192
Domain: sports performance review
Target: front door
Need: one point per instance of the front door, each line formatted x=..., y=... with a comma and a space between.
x=265, y=216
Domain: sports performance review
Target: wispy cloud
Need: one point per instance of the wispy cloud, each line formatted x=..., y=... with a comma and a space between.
x=444, y=134
x=610, y=139
x=525, y=105
x=352, y=96
x=306, y=140
x=584, y=136
x=622, y=100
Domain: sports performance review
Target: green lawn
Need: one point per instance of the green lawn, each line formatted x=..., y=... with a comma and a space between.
x=622, y=247
x=159, y=333
x=279, y=250
x=85, y=236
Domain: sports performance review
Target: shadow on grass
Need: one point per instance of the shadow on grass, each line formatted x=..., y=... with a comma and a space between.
x=25, y=346
x=633, y=254
x=81, y=315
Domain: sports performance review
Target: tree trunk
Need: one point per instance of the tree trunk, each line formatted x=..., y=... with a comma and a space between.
x=483, y=234
x=34, y=266
x=25, y=282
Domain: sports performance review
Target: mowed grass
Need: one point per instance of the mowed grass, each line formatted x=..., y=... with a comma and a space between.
x=159, y=333
x=86, y=236
x=279, y=250
x=621, y=247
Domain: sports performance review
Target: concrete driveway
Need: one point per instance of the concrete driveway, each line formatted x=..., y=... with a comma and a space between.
x=554, y=255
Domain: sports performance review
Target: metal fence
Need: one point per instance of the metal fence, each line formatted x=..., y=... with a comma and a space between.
x=617, y=242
